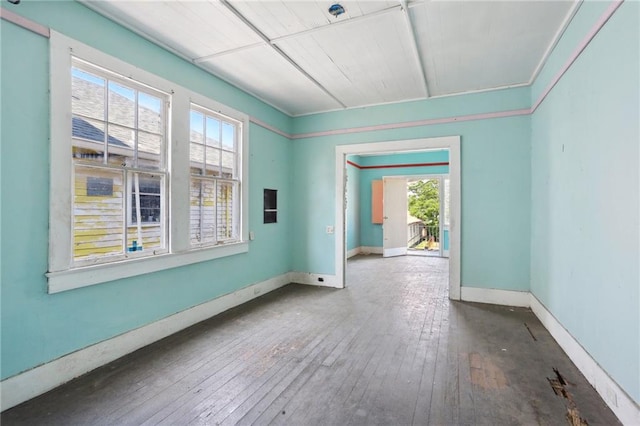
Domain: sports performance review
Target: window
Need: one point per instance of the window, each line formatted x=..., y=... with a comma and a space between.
x=118, y=147
x=213, y=157
x=127, y=196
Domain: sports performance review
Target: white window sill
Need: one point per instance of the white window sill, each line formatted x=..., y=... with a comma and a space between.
x=90, y=275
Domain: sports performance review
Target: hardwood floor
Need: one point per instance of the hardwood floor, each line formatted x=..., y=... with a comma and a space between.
x=390, y=349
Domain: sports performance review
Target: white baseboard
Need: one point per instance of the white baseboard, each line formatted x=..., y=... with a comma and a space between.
x=314, y=279
x=370, y=250
x=363, y=250
x=398, y=251
x=495, y=296
x=353, y=252
x=24, y=386
x=622, y=405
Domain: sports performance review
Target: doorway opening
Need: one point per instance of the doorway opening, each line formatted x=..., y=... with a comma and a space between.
x=450, y=144
x=415, y=218
x=428, y=216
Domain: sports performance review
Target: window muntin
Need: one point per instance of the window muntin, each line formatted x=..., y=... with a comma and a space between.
x=214, y=183
x=119, y=136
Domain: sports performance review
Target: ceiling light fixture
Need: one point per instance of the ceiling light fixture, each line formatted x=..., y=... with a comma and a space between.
x=336, y=9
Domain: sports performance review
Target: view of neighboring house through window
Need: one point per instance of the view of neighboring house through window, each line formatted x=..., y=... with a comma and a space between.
x=214, y=191
x=127, y=195
x=119, y=166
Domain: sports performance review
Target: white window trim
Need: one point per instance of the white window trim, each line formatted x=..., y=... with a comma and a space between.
x=62, y=276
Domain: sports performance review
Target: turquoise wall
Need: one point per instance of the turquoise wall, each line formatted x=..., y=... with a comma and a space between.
x=353, y=204
x=37, y=327
x=495, y=157
x=585, y=235
x=535, y=213
x=371, y=233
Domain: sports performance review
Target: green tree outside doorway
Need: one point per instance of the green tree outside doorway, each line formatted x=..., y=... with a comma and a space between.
x=424, y=201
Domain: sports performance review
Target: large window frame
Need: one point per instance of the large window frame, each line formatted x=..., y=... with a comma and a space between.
x=221, y=176
x=113, y=107
x=63, y=273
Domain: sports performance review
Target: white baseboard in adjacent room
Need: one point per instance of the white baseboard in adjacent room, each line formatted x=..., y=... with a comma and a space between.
x=24, y=386
x=370, y=250
x=622, y=405
x=353, y=252
x=495, y=296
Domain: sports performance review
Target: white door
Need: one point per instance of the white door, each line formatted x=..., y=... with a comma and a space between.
x=394, y=225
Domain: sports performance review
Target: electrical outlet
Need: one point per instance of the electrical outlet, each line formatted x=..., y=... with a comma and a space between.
x=611, y=396
x=252, y=235
x=329, y=229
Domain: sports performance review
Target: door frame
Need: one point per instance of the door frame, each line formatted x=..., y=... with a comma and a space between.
x=452, y=143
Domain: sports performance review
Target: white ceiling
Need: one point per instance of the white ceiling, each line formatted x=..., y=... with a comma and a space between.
x=297, y=57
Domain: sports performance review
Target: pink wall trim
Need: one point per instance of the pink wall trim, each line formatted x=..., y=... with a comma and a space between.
x=270, y=127
x=25, y=23
x=576, y=53
x=427, y=122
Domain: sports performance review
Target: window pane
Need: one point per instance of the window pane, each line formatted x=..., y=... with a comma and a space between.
x=97, y=213
x=146, y=198
x=225, y=211
x=228, y=136
x=150, y=114
x=121, y=146
x=87, y=94
x=197, y=127
x=86, y=128
x=202, y=201
x=228, y=164
x=213, y=132
x=122, y=106
x=88, y=155
x=121, y=137
x=88, y=143
x=146, y=201
x=213, y=161
x=149, y=150
x=196, y=158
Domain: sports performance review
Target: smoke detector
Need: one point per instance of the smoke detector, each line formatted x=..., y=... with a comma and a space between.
x=336, y=9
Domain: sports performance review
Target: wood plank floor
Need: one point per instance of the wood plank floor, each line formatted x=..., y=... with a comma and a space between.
x=390, y=349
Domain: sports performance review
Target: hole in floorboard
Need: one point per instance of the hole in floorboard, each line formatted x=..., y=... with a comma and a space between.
x=559, y=386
